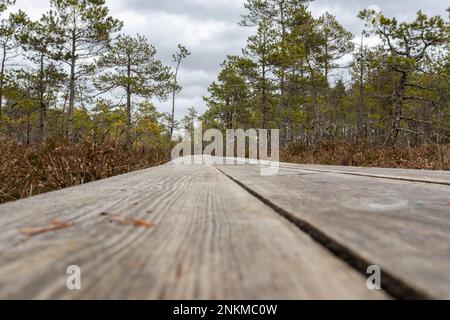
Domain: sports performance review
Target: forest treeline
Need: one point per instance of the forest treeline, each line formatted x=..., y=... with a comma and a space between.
x=71, y=75
x=316, y=81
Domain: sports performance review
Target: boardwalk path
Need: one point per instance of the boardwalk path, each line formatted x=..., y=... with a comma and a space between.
x=226, y=232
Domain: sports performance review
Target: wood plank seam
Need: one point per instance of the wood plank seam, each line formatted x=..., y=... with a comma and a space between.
x=393, y=286
x=214, y=240
x=372, y=176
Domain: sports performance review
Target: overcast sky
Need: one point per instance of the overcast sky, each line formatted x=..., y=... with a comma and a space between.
x=209, y=29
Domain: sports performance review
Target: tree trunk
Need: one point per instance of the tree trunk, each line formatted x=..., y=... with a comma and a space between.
x=172, y=119
x=128, y=111
x=128, y=127
x=28, y=137
x=42, y=105
x=2, y=76
x=63, y=118
x=71, y=108
x=398, y=109
x=327, y=111
x=317, y=119
x=361, y=112
x=284, y=120
x=264, y=99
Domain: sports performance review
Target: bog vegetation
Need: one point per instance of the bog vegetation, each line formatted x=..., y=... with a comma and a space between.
x=77, y=96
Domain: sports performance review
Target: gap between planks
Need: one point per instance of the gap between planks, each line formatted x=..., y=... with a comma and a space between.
x=363, y=174
x=401, y=226
x=390, y=284
x=214, y=241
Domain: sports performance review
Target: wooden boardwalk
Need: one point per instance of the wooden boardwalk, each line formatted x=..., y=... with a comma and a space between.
x=226, y=232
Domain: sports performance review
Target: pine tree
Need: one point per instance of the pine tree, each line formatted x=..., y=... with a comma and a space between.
x=230, y=100
x=261, y=50
x=178, y=57
x=189, y=119
x=87, y=29
x=280, y=14
x=42, y=42
x=9, y=45
x=4, y=4
x=407, y=46
x=130, y=66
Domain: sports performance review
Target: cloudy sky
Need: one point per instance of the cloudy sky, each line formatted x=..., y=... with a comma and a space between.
x=209, y=29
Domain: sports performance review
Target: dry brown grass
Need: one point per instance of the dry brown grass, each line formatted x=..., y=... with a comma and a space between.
x=343, y=153
x=27, y=171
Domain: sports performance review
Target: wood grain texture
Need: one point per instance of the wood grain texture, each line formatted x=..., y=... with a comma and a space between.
x=213, y=240
x=402, y=226
x=428, y=176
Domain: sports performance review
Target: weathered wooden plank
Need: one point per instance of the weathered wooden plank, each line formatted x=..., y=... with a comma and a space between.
x=39, y=210
x=402, y=226
x=213, y=241
x=428, y=176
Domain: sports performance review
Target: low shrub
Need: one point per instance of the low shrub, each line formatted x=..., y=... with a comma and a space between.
x=344, y=153
x=27, y=171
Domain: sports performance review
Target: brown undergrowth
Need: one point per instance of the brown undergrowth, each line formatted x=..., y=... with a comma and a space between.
x=27, y=171
x=343, y=153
